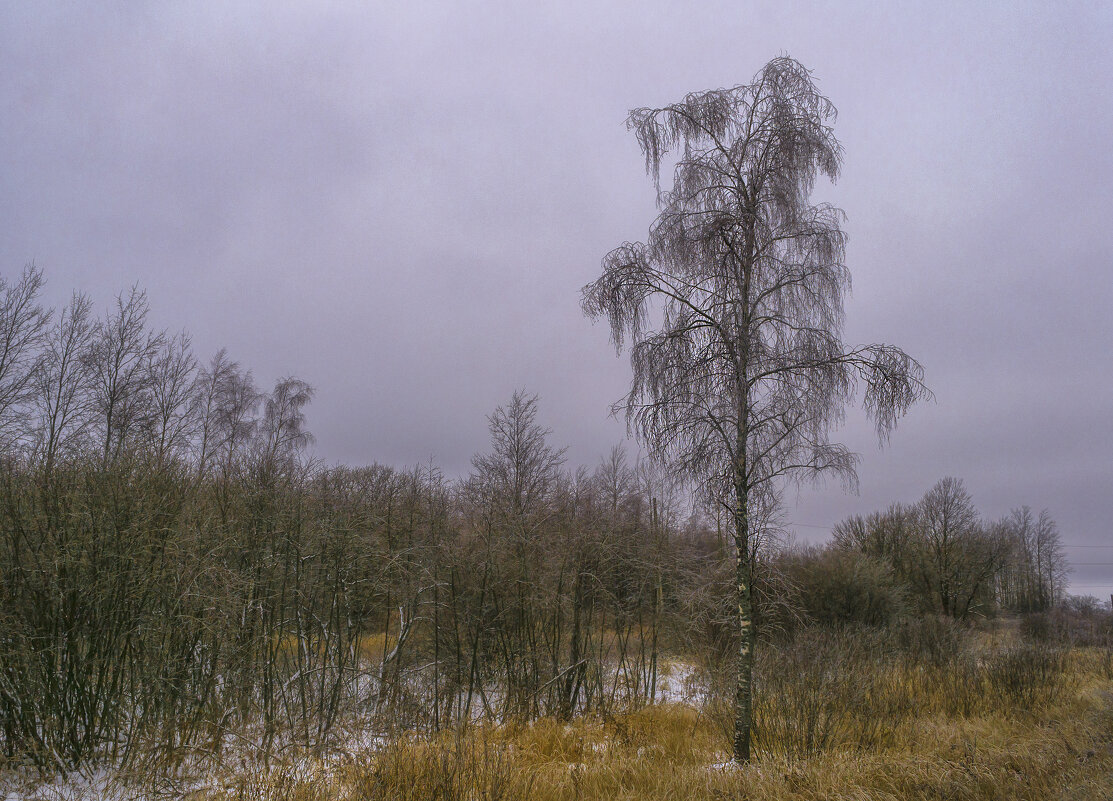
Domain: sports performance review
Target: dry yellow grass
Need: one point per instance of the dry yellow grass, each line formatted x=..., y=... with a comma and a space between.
x=1060, y=750
x=373, y=646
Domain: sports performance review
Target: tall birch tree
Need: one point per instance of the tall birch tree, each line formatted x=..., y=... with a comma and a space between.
x=733, y=310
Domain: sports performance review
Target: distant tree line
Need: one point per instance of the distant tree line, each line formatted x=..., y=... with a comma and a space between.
x=936, y=556
x=176, y=573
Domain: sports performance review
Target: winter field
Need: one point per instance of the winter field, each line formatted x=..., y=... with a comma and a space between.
x=1003, y=711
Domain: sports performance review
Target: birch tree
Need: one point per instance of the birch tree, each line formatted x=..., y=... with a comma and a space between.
x=282, y=430
x=733, y=310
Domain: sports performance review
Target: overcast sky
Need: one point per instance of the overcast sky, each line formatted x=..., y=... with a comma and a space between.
x=399, y=202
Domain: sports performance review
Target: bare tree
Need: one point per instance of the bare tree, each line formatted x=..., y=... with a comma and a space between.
x=173, y=415
x=229, y=401
x=121, y=353
x=521, y=471
x=734, y=309
x=885, y=535
x=1051, y=563
x=1037, y=570
x=62, y=382
x=22, y=323
x=282, y=430
x=208, y=387
x=514, y=490
x=960, y=554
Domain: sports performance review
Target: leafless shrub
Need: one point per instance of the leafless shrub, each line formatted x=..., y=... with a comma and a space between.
x=1028, y=675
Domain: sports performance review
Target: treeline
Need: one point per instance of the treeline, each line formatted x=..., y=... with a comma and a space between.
x=175, y=572
x=937, y=556
x=144, y=607
x=177, y=575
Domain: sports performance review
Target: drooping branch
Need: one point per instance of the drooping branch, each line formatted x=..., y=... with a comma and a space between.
x=732, y=309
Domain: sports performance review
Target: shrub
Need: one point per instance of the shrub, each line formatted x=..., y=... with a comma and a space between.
x=1036, y=627
x=1028, y=675
x=931, y=639
x=823, y=689
x=837, y=587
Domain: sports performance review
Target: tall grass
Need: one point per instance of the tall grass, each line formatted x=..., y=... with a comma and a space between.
x=856, y=690
x=856, y=714
x=839, y=715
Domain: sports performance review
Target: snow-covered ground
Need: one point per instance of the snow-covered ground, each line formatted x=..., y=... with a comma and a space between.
x=680, y=683
x=93, y=784
x=677, y=682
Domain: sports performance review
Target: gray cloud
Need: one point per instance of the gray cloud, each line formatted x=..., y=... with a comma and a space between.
x=401, y=204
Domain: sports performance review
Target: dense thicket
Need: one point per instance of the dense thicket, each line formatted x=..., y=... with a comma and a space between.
x=176, y=574
x=949, y=561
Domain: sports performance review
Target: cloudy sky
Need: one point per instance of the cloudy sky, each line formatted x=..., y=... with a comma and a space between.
x=399, y=202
